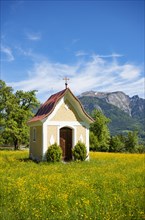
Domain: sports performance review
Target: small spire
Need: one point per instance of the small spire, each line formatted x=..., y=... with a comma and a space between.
x=66, y=80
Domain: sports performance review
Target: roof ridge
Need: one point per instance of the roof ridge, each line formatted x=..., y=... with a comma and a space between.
x=53, y=96
x=49, y=105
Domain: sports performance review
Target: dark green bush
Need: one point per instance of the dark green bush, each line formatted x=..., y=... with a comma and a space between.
x=140, y=149
x=79, y=151
x=54, y=153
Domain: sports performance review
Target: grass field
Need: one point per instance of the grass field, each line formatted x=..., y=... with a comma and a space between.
x=110, y=186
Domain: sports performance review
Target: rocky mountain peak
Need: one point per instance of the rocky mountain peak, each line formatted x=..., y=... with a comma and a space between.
x=120, y=100
x=126, y=113
x=135, y=97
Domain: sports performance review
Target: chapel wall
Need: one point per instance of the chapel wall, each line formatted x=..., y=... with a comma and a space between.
x=51, y=135
x=81, y=133
x=66, y=113
x=36, y=146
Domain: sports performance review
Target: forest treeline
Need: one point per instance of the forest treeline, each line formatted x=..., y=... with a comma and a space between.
x=101, y=140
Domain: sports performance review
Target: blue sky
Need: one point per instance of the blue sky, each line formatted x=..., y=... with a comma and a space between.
x=99, y=45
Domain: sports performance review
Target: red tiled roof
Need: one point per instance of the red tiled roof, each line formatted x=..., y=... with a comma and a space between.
x=48, y=106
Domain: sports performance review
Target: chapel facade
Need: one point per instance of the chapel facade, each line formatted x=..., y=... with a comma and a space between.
x=62, y=120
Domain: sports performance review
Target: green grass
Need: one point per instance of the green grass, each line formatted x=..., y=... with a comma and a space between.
x=110, y=186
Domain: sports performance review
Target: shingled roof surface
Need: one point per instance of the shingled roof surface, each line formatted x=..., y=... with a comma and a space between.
x=48, y=106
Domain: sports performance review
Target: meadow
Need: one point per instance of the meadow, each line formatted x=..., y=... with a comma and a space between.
x=108, y=187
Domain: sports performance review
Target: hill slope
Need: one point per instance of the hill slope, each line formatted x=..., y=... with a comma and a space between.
x=125, y=113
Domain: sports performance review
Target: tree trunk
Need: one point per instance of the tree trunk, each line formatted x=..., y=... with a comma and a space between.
x=16, y=145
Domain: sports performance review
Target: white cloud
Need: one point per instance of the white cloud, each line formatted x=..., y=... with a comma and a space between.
x=7, y=52
x=98, y=74
x=80, y=53
x=129, y=72
x=29, y=54
x=113, y=55
x=33, y=36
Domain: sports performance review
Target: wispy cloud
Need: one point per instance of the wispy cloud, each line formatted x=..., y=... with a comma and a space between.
x=130, y=72
x=33, y=36
x=113, y=55
x=29, y=54
x=7, y=54
x=98, y=74
x=80, y=53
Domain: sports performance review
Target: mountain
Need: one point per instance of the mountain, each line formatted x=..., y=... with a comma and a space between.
x=126, y=113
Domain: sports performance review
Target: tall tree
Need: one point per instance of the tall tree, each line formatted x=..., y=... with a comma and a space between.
x=100, y=130
x=15, y=111
x=116, y=144
x=131, y=141
x=94, y=143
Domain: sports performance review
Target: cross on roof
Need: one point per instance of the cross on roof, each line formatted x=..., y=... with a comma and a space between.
x=66, y=80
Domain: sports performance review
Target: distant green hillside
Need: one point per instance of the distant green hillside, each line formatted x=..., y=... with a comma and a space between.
x=120, y=121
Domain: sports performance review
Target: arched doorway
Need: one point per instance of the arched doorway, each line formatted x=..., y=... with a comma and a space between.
x=66, y=143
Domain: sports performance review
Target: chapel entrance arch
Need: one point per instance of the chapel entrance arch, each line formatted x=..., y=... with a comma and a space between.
x=66, y=143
